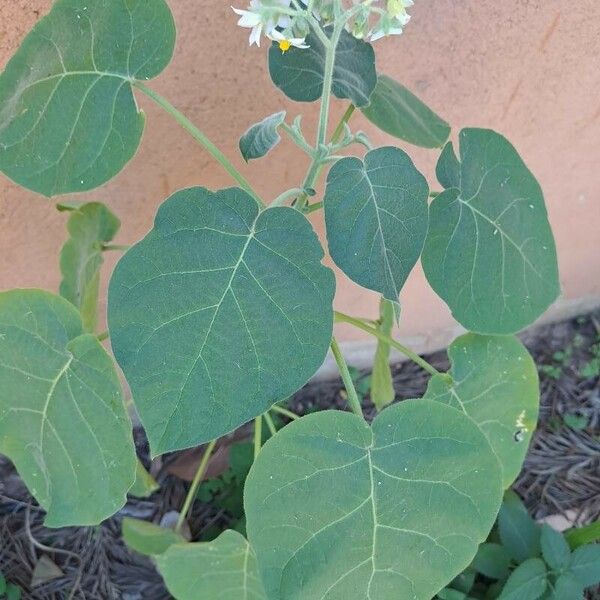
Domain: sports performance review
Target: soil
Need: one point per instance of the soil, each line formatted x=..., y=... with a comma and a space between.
x=561, y=475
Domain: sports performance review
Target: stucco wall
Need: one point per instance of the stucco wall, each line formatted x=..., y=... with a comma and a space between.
x=528, y=68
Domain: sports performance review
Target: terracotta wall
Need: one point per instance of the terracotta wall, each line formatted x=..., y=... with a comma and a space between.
x=528, y=68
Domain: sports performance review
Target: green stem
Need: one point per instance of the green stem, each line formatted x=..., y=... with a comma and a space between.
x=257, y=435
x=313, y=207
x=317, y=165
x=293, y=193
x=285, y=412
x=121, y=248
x=353, y=400
x=102, y=336
x=270, y=424
x=191, y=495
x=200, y=137
x=337, y=134
x=342, y=318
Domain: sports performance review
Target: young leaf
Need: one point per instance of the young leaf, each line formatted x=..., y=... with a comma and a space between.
x=555, y=550
x=566, y=587
x=218, y=313
x=579, y=536
x=144, y=484
x=68, y=118
x=447, y=169
x=527, y=582
x=147, y=538
x=490, y=252
x=494, y=380
x=376, y=217
x=585, y=564
x=338, y=509
x=224, y=568
x=62, y=418
x=262, y=137
x=519, y=533
x=397, y=111
x=382, y=384
x=90, y=226
x=299, y=72
x=492, y=560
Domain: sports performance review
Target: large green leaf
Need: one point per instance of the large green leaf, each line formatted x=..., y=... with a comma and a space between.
x=90, y=226
x=376, y=216
x=519, y=533
x=490, y=252
x=62, y=418
x=224, y=568
x=527, y=582
x=262, y=137
x=337, y=509
x=68, y=118
x=299, y=72
x=218, y=313
x=494, y=380
x=397, y=111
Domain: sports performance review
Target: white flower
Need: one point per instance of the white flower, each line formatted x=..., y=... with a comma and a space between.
x=285, y=41
x=263, y=16
x=394, y=21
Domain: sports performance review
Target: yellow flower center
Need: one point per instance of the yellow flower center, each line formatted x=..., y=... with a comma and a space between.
x=285, y=45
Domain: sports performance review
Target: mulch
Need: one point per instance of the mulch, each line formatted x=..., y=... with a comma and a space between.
x=561, y=475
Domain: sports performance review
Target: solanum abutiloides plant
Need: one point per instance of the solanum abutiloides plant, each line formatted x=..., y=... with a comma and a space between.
x=225, y=309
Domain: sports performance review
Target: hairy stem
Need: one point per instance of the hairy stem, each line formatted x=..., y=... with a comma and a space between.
x=198, y=477
x=200, y=137
x=353, y=400
x=270, y=424
x=285, y=412
x=342, y=318
x=257, y=435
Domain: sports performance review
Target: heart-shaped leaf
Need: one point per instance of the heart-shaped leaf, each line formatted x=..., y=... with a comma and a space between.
x=376, y=216
x=218, y=313
x=90, y=226
x=224, y=568
x=397, y=111
x=261, y=137
x=493, y=380
x=68, y=118
x=490, y=252
x=299, y=72
x=337, y=509
x=62, y=418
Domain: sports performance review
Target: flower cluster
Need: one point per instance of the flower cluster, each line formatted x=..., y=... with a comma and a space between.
x=277, y=20
x=285, y=21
